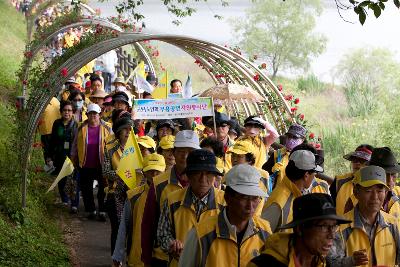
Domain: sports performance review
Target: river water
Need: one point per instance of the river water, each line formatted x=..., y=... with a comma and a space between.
x=342, y=36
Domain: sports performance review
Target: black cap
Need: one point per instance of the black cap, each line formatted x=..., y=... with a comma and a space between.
x=315, y=206
x=120, y=96
x=220, y=118
x=252, y=120
x=151, y=77
x=122, y=123
x=201, y=160
x=165, y=123
x=384, y=158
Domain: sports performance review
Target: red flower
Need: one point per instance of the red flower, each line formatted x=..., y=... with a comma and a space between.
x=289, y=97
x=301, y=116
x=64, y=72
x=293, y=109
x=38, y=169
x=317, y=146
x=28, y=54
x=296, y=101
x=312, y=135
x=24, y=82
x=263, y=65
x=17, y=105
x=280, y=87
x=256, y=77
x=197, y=61
x=45, y=85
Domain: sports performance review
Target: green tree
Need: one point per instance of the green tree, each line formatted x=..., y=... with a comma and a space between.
x=281, y=33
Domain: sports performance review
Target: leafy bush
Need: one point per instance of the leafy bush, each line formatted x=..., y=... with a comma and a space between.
x=361, y=98
x=310, y=84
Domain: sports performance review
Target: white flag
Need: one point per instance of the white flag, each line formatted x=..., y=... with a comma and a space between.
x=142, y=84
x=187, y=89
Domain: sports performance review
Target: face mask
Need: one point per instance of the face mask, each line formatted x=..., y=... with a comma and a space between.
x=120, y=88
x=79, y=104
x=292, y=143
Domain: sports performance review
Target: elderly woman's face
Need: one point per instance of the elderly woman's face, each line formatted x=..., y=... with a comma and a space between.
x=318, y=236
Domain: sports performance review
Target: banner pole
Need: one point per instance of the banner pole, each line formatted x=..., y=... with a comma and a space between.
x=215, y=124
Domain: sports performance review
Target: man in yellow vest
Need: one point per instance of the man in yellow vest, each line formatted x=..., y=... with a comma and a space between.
x=169, y=181
x=129, y=231
x=342, y=187
x=300, y=174
x=187, y=207
x=276, y=164
x=314, y=224
x=373, y=238
x=235, y=235
x=253, y=127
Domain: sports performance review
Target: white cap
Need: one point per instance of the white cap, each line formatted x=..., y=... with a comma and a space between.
x=187, y=138
x=305, y=160
x=94, y=107
x=245, y=179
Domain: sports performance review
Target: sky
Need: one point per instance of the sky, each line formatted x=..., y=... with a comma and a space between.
x=342, y=36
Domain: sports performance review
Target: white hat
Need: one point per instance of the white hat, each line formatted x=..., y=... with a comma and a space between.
x=187, y=138
x=94, y=107
x=305, y=160
x=245, y=179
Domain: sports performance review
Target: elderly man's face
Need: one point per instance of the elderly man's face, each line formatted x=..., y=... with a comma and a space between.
x=201, y=182
x=164, y=131
x=222, y=131
x=237, y=159
x=242, y=207
x=320, y=235
x=252, y=130
x=370, y=198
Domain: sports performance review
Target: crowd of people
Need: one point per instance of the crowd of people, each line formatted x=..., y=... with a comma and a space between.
x=219, y=194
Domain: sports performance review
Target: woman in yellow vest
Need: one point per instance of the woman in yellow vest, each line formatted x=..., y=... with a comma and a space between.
x=87, y=153
x=166, y=149
x=314, y=227
x=116, y=191
x=129, y=232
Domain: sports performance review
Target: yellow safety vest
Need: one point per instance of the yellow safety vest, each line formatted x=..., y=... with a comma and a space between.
x=386, y=243
x=164, y=184
x=105, y=130
x=320, y=186
x=219, y=248
x=49, y=115
x=137, y=198
x=283, y=195
x=183, y=215
x=280, y=247
x=344, y=192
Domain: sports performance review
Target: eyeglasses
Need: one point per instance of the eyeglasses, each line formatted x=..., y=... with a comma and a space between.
x=325, y=228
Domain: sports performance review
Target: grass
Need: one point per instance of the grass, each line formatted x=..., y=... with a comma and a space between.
x=31, y=236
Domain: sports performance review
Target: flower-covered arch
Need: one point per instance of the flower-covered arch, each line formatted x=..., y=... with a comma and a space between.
x=221, y=63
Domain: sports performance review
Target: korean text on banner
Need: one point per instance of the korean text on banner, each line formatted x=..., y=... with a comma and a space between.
x=155, y=109
x=130, y=161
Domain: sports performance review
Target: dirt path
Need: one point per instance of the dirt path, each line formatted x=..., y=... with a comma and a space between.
x=88, y=240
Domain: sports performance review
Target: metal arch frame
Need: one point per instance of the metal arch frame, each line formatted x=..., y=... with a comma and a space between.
x=75, y=62
x=85, y=21
x=43, y=7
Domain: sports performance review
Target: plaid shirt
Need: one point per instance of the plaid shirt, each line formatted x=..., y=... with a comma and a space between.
x=164, y=229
